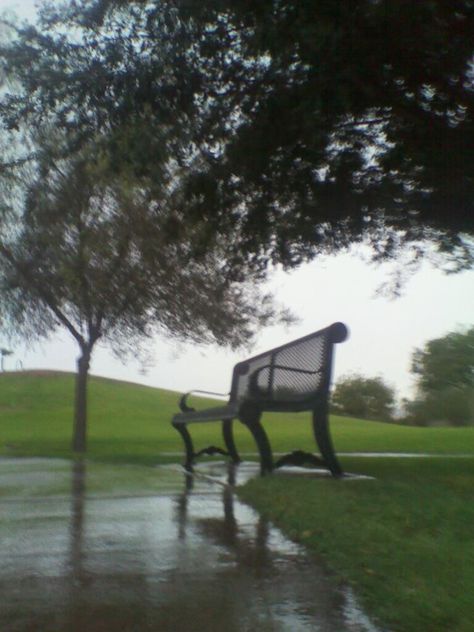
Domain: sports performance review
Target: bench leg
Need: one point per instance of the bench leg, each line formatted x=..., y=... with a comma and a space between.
x=323, y=439
x=188, y=444
x=252, y=420
x=229, y=440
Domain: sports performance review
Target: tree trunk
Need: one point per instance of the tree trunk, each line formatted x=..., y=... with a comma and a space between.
x=79, y=440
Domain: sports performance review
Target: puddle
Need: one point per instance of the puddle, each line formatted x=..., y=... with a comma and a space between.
x=152, y=549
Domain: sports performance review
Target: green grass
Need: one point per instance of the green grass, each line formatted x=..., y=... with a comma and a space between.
x=405, y=541
x=127, y=422
x=131, y=423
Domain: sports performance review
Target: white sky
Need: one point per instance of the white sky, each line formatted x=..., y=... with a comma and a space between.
x=23, y=8
x=383, y=332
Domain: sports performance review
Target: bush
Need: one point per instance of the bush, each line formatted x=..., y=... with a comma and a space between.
x=367, y=398
x=453, y=405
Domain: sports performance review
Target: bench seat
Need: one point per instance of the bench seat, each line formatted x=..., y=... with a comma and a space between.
x=219, y=413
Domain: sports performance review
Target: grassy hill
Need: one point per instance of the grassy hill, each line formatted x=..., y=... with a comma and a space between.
x=130, y=422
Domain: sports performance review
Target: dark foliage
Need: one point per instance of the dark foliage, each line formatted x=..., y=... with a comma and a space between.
x=300, y=126
x=445, y=362
x=445, y=379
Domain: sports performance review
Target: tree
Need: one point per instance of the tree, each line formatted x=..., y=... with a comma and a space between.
x=311, y=125
x=368, y=398
x=445, y=362
x=87, y=244
x=84, y=249
x=444, y=369
x=452, y=405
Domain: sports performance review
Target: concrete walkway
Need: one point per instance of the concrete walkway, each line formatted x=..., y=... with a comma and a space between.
x=101, y=548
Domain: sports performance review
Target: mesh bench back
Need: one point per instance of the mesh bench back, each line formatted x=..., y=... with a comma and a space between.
x=296, y=372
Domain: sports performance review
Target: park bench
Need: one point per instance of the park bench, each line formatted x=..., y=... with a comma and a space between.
x=292, y=378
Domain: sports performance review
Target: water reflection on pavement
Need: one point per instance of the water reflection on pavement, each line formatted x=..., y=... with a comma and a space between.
x=181, y=553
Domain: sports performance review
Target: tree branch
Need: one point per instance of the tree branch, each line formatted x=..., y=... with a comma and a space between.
x=42, y=293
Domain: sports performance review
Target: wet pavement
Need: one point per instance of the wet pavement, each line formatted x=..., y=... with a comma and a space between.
x=102, y=548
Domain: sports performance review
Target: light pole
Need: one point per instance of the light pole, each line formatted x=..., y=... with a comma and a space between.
x=3, y=354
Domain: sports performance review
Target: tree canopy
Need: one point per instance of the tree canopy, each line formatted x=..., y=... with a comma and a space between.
x=300, y=126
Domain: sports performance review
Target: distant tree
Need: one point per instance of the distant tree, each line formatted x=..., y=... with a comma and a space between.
x=82, y=248
x=305, y=127
x=444, y=369
x=367, y=398
x=451, y=405
x=445, y=362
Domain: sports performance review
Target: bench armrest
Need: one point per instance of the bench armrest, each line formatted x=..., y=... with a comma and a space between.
x=183, y=406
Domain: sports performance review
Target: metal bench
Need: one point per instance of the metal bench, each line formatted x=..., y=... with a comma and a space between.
x=292, y=378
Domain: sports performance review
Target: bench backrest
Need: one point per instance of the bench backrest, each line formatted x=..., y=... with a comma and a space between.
x=294, y=374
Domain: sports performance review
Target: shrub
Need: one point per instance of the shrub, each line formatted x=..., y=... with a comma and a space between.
x=368, y=398
x=452, y=405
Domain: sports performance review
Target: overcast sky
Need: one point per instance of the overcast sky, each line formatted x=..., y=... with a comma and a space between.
x=23, y=8
x=383, y=332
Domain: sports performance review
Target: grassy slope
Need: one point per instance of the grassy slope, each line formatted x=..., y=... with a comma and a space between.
x=405, y=540
x=129, y=422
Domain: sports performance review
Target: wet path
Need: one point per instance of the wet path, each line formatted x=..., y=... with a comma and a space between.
x=136, y=549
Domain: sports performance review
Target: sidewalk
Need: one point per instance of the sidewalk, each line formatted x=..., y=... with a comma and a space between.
x=98, y=548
